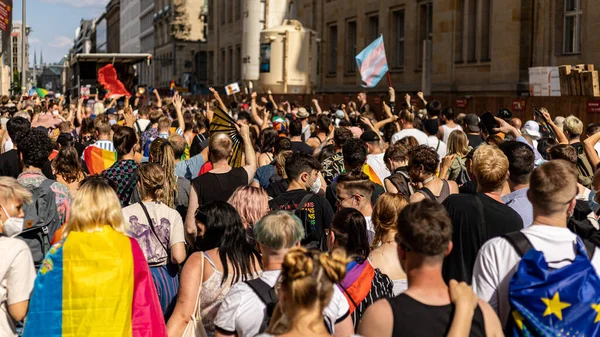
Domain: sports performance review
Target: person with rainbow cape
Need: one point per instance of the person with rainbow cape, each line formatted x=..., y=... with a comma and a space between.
x=95, y=281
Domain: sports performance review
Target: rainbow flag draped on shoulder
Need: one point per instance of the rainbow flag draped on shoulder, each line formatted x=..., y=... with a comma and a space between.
x=97, y=159
x=95, y=284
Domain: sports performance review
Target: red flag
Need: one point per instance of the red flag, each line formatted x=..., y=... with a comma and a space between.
x=107, y=76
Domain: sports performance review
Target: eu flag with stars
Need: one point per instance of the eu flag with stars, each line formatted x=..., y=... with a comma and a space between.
x=561, y=302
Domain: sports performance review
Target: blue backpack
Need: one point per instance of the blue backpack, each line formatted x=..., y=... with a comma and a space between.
x=553, y=302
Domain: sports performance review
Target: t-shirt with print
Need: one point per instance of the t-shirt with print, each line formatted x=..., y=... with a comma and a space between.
x=233, y=317
x=316, y=213
x=61, y=192
x=167, y=224
x=18, y=275
x=333, y=167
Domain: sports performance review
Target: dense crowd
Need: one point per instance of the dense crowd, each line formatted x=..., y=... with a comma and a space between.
x=151, y=216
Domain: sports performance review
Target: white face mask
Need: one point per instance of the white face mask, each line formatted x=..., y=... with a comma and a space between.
x=316, y=186
x=12, y=226
x=55, y=112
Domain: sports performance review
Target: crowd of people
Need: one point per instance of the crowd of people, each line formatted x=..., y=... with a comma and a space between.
x=130, y=217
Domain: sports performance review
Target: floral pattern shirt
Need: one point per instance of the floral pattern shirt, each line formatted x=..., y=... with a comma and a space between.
x=333, y=167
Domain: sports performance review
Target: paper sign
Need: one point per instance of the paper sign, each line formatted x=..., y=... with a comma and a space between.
x=593, y=107
x=544, y=81
x=461, y=103
x=518, y=104
x=232, y=88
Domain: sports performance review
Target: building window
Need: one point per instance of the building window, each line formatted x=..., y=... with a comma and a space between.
x=373, y=22
x=474, y=22
x=238, y=9
x=350, y=61
x=398, y=34
x=238, y=62
x=230, y=66
x=425, y=26
x=333, y=50
x=223, y=69
x=572, y=27
x=223, y=10
x=210, y=69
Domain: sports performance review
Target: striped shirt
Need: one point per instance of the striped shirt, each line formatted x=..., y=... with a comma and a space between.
x=519, y=202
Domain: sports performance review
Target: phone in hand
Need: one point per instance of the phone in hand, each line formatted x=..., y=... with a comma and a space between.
x=489, y=122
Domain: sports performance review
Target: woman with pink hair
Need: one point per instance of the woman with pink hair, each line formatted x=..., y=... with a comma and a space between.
x=252, y=203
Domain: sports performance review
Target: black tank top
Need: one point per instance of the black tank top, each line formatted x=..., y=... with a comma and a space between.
x=413, y=318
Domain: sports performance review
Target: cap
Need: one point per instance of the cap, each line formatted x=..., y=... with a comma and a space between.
x=504, y=114
x=472, y=122
x=111, y=111
x=339, y=114
x=370, y=136
x=533, y=129
x=302, y=113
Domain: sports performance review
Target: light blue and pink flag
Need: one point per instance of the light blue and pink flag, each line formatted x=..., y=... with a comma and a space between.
x=372, y=63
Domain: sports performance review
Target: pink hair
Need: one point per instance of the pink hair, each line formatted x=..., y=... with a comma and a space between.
x=252, y=203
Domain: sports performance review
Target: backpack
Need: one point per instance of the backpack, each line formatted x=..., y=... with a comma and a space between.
x=41, y=220
x=549, y=302
x=463, y=175
x=268, y=296
x=584, y=169
x=401, y=181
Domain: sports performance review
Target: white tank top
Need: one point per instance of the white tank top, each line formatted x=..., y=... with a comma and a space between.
x=448, y=131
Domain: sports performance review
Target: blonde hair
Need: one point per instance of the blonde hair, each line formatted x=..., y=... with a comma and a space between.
x=252, y=203
x=385, y=215
x=162, y=153
x=573, y=125
x=307, y=278
x=407, y=116
x=151, y=182
x=95, y=205
x=280, y=163
x=458, y=143
x=11, y=189
x=490, y=167
x=219, y=147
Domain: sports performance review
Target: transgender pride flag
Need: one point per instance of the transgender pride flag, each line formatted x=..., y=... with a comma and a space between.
x=372, y=63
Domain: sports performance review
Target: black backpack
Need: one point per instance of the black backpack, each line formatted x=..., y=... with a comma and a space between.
x=268, y=297
x=401, y=180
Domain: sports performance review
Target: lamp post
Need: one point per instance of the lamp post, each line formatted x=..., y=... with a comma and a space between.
x=24, y=61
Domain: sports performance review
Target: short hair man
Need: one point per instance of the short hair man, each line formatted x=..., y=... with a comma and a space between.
x=275, y=235
x=573, y=128
x=375, y=156
x=448, y=116
x=471, y=128
x=9, y=160
x=189, y=168
x=484, y=215
x=298, y=145
x=362, y=101
x=407, y=124
x=552, y=191
x=521, y=160
x=424, y=238
x=303, y=172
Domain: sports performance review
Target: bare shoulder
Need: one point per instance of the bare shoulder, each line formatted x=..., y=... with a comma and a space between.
x=416, y=197
x=377, y=320
x=453, y=186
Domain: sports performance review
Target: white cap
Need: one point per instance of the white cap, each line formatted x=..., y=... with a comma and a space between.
x=532, y=128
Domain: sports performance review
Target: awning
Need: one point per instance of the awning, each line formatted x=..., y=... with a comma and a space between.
x=111, y=58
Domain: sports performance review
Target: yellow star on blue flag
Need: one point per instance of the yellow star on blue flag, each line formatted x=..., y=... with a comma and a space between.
x=555, y=306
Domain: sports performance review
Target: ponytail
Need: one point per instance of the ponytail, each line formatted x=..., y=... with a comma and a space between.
x=162, y=153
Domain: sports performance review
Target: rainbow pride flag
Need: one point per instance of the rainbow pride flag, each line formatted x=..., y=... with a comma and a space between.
x=368, y=170
x=95, y=284
x=41, y=92
x=97, y=159
x=172, y=87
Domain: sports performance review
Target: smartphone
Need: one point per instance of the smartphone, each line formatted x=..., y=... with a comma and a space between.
x=489, y=122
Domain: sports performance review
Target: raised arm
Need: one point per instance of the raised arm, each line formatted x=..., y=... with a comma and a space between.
x=254, y=110
x=392, y=93
x=271, y=99
x=317, y=106
x=178, y=103
x=407, y=100
x=158, y=99
x=218, y=98
x=209, y=112
x=79, y=110
x=590, y=152
x=560, y=136
x=249, y=153
x=422, y=97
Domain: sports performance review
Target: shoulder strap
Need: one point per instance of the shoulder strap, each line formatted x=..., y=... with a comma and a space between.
x=47, y=183
x=304, y=200
x=137, y=123
x=427, y=192
x=519, y=241
x=152, y=226
x=438, y=145
x=195, y=314
x=445, y=192
x=590, y=248
x=262, y=290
